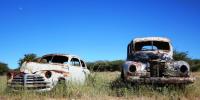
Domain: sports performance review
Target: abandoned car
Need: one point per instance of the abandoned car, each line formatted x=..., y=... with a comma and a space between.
x=150, y=60
x=47, y=71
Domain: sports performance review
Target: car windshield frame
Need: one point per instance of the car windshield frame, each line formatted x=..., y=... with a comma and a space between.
x=156, y=45
x=56, y=59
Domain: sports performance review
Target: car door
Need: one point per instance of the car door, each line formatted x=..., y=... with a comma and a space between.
x=85, y=70
x=76, y=70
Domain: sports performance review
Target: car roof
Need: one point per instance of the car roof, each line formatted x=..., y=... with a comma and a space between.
x=59, y=54
x=164, y=39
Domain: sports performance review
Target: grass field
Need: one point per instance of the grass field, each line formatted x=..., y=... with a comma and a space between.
x=106, y=86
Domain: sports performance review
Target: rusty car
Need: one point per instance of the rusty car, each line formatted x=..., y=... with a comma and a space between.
x=45, y=73
x=150, y=61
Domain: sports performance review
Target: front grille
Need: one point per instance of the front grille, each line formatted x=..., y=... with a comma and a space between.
x=157, y=69
x=29, y=81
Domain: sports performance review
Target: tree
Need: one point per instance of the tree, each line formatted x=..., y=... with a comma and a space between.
x=3, y=68
x=181, y=56
x=27, y=57
x=194, y=63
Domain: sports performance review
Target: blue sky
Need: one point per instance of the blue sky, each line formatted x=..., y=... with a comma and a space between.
x=94, y=29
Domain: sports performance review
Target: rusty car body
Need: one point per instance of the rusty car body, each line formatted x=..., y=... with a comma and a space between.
x=44, y=74
x=150, y=60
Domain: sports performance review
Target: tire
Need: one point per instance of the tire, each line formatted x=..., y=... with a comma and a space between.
x=122, y=75
x=61, y=81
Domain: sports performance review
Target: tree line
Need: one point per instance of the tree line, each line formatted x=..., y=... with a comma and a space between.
x=116, y=65
x=106, y=65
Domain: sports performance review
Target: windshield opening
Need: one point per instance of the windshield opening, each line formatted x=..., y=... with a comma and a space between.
x=152, y=46
x=55, y=59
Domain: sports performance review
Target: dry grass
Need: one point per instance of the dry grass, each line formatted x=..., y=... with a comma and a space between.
x=106, y=85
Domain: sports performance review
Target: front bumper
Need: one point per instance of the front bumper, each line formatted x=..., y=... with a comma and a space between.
x=162, y=80
x=29, y=82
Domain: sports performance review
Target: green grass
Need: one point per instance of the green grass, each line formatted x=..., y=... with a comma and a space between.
x=106, y=85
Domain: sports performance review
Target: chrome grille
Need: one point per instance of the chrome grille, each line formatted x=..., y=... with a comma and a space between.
x=29, y=81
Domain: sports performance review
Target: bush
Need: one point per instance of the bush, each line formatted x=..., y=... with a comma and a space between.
x=181, y=56
x=105, y=65
x=3, y=68
x=195, y=68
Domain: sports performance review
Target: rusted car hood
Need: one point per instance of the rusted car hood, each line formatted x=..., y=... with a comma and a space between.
x=32, y=67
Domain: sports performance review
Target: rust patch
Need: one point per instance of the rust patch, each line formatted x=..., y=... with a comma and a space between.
x=60, y=72
x=57, y=64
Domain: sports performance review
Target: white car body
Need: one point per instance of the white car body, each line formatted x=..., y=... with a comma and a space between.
x=44, y=74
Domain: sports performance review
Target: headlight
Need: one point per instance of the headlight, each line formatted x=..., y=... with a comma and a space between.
x=183, y=68
x=132, y=68
x=48, y=74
